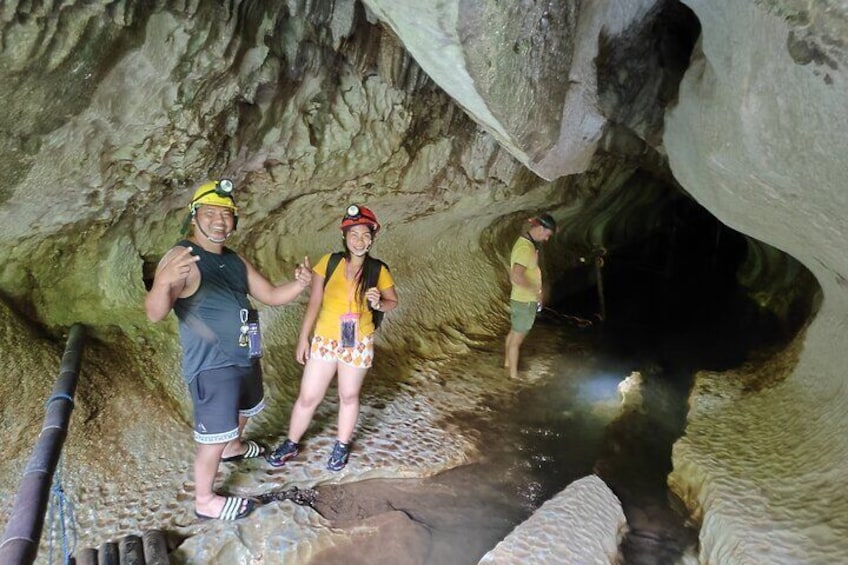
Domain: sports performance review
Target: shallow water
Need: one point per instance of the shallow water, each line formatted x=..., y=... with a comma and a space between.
x=565, y=423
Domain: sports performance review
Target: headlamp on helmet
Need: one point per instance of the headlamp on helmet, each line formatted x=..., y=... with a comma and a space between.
x=360, y=216
x=224, y=186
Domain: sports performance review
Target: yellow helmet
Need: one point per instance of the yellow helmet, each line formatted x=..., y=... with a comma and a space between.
x=214, y=193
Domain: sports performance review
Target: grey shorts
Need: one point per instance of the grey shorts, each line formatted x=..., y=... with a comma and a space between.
x=522, y=316
x=220, y=396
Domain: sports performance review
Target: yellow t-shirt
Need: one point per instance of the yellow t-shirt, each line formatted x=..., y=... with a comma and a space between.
x=524, y=253
x=341, y=297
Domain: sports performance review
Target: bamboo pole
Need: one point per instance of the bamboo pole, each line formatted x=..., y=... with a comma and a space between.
x=87, y=556
x=108, y=554
x=131, y=551
x=23, y=531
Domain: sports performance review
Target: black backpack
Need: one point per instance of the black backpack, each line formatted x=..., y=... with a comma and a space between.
x=370, y=272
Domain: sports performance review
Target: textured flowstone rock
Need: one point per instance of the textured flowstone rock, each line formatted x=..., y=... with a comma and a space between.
x=754, y=138
x=582, y=524
x=525, y=71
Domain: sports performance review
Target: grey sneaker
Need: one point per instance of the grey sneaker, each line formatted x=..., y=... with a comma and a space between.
x=339, y=456
x=287, y=450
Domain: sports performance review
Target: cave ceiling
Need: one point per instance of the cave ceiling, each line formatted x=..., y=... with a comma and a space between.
x=115, y=111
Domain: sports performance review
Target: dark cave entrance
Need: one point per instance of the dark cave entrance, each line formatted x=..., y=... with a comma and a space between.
x=675, y=296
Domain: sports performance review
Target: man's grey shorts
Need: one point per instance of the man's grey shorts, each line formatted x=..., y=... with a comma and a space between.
x=522, y=315
x=220, y=396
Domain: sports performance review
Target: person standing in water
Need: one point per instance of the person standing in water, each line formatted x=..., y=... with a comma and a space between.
x=350, y=292
x=525, y=299
x=207, y=285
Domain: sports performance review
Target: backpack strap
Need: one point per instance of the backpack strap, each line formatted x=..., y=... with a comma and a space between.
x=371, y=280
x=332, y=263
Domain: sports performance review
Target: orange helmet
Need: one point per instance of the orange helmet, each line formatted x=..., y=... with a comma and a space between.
x=360, y=216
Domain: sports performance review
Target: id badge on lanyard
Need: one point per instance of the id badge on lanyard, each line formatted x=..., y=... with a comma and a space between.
x=349, y=323
x=250, y=335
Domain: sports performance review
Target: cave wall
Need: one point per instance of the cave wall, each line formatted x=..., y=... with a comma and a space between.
x=756, y=138
x=527, y=72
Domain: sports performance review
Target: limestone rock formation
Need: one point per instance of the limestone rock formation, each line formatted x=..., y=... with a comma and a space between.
x=582, y=524
x=754, y=136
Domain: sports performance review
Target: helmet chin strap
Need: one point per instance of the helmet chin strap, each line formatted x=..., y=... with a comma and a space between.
x=213, y=239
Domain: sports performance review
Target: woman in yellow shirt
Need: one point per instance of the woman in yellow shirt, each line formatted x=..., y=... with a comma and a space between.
x=343, y=308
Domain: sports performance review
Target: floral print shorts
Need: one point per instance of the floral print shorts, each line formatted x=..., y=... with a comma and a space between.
x=361, y=355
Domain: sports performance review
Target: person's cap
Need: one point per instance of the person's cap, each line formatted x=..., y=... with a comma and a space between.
x=214, y=193
x=546, y=221
x=360, y=216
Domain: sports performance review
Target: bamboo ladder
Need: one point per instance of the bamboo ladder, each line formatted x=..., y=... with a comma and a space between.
x=26, y=522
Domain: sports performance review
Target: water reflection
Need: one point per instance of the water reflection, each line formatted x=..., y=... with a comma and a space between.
x=565, y=421
x=599, y=388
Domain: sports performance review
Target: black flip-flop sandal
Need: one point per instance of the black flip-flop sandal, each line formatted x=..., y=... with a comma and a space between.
x=253, y=450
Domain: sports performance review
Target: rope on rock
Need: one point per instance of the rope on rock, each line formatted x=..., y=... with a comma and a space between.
x=60, y=504
x=305, y=497
x=579, y=322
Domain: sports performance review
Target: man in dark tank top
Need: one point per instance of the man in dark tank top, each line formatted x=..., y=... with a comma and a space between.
x=207, y=285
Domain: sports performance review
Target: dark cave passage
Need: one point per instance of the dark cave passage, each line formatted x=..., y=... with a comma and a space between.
x=674, y=297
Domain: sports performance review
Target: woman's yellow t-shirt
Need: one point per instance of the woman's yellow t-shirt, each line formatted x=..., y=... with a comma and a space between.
x=341, y=297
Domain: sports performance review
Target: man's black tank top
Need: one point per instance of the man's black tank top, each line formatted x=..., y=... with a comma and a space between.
x=209, y=319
